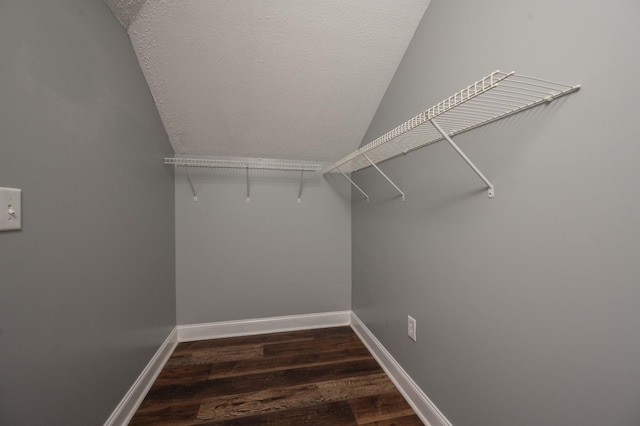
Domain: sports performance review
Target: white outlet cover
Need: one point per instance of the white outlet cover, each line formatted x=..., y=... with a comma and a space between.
x=10, y=209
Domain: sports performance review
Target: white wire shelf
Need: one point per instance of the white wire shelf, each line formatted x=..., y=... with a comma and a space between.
x=496, y=96
x=243, y=164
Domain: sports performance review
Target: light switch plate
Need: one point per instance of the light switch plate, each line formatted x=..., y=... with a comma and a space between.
x=10, y=209
x=411, y=328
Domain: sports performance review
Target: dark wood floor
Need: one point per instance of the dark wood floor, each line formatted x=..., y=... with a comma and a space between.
x=310, y=377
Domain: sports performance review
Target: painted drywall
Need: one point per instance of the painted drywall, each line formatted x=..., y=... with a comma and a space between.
x=270, y=257
x=527, y=305
x=87, y=288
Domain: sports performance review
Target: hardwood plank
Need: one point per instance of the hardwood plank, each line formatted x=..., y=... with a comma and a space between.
x=252, y=366
x=183, y=374
x=160, y=395
x=152, y=406
x=281, y=337
x=328, y=344
x=375, y=408
x=208, y=356
x=278, y=399
x=200, y=345
x=333, y=414
x=181, y=414
x=398, y=421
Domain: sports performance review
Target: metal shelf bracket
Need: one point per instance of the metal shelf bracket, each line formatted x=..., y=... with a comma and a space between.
x=354, y=184
x=464, y=157
x=193, y=190
x=384, y=176
x=300, y=189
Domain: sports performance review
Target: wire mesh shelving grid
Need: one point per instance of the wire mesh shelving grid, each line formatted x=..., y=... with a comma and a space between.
x=495, y=96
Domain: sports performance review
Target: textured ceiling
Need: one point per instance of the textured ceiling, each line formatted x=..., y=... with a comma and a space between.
x=287, y=79
x=125, y=10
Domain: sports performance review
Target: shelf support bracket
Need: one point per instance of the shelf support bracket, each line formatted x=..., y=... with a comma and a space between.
x=300, y=189
x=383, y=175
x=193, y=190
x=464, y=157
x=353, y=183
x=247, y=174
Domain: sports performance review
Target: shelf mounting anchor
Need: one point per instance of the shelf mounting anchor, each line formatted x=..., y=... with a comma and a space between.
x=353, y=183
x=300, y=189
x=383, y=175
x=464, y=157
x=247, y=174
x=193, y=190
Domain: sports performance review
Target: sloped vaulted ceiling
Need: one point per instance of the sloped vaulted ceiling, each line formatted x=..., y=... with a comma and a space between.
x=289, y=79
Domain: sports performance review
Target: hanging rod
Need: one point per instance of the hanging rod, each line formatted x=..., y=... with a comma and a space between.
x=242, y=164
x=494, y=97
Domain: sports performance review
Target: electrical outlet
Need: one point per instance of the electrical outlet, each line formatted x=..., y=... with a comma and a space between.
x=10, y=209
x=411, y=328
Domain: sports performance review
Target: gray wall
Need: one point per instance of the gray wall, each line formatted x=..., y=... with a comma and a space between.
x=87, y=289
x=269, y=257
x=528, y=305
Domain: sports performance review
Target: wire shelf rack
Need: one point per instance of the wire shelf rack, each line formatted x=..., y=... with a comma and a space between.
x=243, y=164
x=494, y=97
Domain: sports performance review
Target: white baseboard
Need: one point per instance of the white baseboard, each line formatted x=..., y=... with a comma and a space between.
x=216, y=330
x=134, y=397
x=422, y=405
